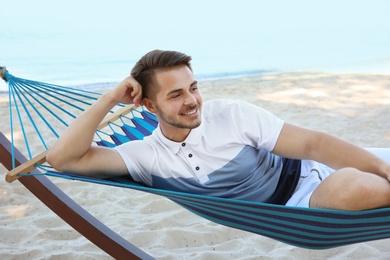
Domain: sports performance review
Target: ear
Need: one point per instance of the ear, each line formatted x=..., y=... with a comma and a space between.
x=149, y=104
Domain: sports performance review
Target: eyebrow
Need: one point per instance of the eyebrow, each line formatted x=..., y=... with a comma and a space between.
x=179, y=89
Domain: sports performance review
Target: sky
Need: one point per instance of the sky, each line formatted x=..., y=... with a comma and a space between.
x=333, y=29
x=194, y=16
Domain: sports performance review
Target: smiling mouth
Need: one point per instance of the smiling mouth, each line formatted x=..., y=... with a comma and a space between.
x=192, y=112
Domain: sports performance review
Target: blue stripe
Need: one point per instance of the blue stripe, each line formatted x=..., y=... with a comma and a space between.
x=323, y=228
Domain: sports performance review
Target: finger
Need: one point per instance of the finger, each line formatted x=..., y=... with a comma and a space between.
x=134, y=85
x=136, y=91
x=137, y=99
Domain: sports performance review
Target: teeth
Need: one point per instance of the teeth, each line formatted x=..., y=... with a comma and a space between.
x=190, y=113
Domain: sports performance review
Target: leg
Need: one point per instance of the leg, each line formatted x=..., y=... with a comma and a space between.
x=351, y=189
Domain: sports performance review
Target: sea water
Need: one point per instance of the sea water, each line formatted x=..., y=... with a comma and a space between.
x=85, y=42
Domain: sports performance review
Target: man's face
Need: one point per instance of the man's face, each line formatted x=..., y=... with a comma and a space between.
x=178, y=103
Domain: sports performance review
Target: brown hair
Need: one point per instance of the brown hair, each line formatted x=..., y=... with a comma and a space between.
x=145, y=69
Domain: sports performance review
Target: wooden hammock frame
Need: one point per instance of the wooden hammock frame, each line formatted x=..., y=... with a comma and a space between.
x=62, y=205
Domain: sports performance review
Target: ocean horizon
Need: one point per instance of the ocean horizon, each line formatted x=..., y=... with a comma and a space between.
x=79, y=43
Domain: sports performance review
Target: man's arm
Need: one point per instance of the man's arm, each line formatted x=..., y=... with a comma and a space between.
x=299, y=143
x=73, y=151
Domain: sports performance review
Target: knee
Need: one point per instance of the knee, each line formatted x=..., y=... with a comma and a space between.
x=368, y=185
x=368, y=192
x=351, y=189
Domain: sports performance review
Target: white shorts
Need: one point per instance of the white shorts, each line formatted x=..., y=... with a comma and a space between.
x=312, y=174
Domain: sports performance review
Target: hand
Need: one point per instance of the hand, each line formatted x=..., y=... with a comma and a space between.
x=127, y=92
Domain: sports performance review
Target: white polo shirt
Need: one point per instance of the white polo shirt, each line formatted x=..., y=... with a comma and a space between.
x=228, y=155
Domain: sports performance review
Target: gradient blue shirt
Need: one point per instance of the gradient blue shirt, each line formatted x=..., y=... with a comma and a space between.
x=228, y=155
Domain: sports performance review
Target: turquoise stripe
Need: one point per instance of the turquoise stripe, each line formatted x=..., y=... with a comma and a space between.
x=292, y=239
x=121, y=138
x=276, y=231
x=144, y=124
x=134, y=131
x=339, y=220
x=213, y=205
x=322, y=231
x=292, y=227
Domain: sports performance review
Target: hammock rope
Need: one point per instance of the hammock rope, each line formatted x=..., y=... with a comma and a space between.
x=302, y=227
x=44, y=107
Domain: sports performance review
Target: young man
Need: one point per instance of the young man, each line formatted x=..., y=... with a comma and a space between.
x=221, y=147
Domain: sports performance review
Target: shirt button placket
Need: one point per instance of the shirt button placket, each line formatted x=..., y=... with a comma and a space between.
x=192, y=162
x=197, y=168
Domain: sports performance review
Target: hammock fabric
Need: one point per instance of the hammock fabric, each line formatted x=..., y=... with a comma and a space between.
x=302, y=227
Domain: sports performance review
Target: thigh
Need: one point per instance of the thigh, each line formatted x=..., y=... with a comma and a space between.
x=351, y=189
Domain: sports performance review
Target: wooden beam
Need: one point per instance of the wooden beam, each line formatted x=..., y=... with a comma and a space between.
x=72, y=213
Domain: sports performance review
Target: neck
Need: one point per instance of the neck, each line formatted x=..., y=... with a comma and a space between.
x=176, y=134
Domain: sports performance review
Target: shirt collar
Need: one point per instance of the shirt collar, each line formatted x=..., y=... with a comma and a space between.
x=193, y=138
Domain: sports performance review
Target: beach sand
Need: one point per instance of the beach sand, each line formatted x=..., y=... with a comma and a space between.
x=354, y=107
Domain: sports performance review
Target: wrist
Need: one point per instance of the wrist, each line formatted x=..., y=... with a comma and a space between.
x=108, y=99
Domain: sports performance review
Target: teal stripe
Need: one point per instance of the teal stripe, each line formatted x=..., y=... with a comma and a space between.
x=213, y=205
x=340, y=219
x=293, y=240
x=291, y=227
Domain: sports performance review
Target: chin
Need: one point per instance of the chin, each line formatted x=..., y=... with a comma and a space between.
x=196, y=124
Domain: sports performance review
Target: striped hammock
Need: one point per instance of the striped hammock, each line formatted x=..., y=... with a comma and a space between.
x=42, y=108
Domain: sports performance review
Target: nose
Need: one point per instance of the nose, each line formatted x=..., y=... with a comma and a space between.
x=190, y=99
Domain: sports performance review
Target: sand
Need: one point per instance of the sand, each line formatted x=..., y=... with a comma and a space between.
x=354, y=107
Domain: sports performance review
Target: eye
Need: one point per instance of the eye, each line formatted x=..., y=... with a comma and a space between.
x=177, y=95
